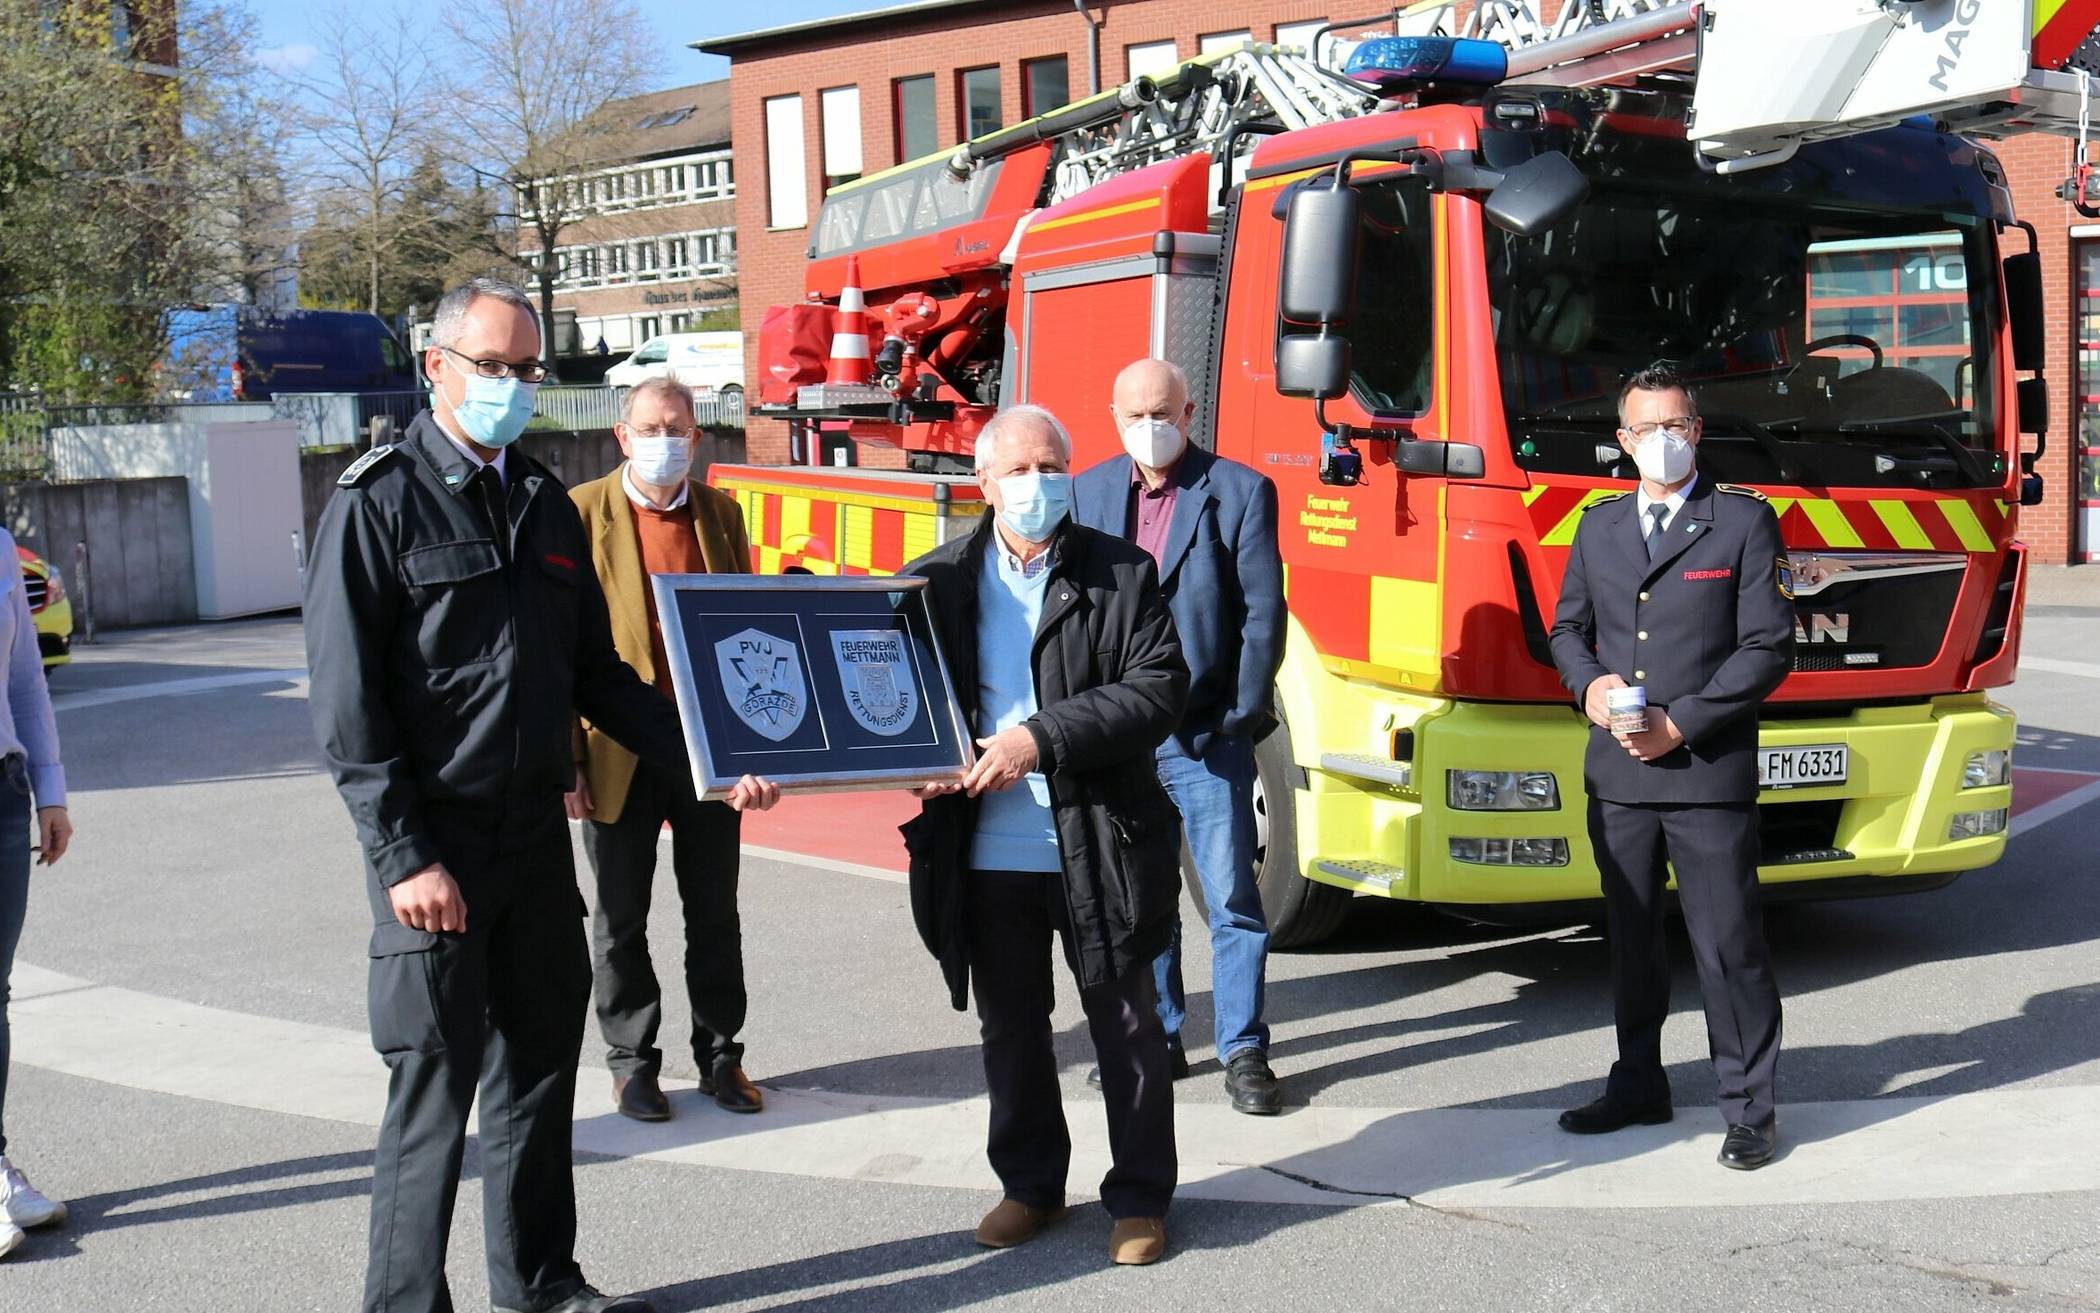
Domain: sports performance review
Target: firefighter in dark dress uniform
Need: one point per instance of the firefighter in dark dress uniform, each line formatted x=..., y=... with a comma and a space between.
x=454, y=628
x=1680, y=587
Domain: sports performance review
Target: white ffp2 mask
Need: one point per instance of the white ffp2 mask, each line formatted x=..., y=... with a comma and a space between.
x=1664, y=458
x=1153, y=443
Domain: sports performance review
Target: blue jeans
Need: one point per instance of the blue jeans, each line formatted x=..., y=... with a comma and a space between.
x=1216, y=798
x=14, y=901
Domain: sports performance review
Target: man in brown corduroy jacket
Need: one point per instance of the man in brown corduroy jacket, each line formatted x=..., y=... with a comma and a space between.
x=650, y=517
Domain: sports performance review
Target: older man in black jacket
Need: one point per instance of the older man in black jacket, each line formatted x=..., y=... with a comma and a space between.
x=1065, y=658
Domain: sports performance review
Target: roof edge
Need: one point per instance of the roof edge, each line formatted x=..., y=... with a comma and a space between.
x=730, y=45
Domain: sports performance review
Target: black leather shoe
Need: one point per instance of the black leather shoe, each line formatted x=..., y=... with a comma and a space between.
x=1748, y=1148
x=1253, y=1087
x=1608, y=1114
x=1177, y=1064
x=588, y=1300
x=640, y=1097
x=730, y=1088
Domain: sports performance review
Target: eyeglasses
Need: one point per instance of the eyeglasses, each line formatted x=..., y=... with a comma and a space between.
x=660, y=433
x=526, y=373
x=1680, y=427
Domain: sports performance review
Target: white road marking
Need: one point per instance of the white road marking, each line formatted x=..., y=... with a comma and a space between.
x=102, y=697
x=2053, y=666
x=1970, y=1145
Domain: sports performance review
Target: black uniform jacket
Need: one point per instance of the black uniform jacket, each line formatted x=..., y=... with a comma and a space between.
x=1112, y=685
x=1705, y=627
x=448, y=665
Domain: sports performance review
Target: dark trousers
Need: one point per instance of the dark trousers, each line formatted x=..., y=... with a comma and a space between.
x=16, y=831
x=704, y=839
x=1714, y=850
x=501, y=1007
x=1012, y=917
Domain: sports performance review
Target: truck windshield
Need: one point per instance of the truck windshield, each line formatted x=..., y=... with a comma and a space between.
x=1835, y=335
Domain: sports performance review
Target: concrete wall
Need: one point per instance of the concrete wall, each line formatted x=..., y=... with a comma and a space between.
x=573, y=457
x=138, y=537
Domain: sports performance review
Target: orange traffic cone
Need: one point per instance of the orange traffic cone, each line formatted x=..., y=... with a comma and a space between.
x=850, y=361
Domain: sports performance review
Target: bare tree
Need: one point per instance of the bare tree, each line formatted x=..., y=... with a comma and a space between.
x=536, y=78
x=369, y=119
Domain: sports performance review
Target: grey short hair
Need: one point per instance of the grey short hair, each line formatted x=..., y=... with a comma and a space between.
x=649, y=387
x=450, y=318
x=988, y=436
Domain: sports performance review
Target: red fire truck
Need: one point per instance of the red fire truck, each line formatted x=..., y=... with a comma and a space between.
x=1407, y=293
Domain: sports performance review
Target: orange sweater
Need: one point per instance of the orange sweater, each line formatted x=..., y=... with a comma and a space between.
x=669, y=546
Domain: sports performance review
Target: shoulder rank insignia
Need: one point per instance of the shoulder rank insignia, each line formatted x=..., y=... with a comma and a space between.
x=1607, y=499
x=362, y=463
x=1741, y=491
x=1785, y=575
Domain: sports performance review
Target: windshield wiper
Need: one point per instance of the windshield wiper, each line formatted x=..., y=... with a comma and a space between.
x=1766, y=440
x=1964, y=456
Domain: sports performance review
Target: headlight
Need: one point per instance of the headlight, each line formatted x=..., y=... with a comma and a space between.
x=1985, y=769
x=54, y=587
x=1975, y=825
x=1510, y=852
x=1502, y=790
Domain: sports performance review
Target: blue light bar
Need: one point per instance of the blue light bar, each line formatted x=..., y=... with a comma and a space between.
x=1393, y=63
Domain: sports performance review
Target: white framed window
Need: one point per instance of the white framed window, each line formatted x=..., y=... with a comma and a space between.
x=1219, y=42
x=1152, y=59
x=841, y=115
x=787, y=180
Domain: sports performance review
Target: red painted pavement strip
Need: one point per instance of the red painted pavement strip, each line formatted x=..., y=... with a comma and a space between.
x=862, y=827
x=2034, y=786
x=845, y=827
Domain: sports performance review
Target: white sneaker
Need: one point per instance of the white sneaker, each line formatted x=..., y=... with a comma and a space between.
x=22, y=1204
x=10, y=1236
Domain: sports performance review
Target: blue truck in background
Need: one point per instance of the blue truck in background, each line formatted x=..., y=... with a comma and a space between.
x=246, y=353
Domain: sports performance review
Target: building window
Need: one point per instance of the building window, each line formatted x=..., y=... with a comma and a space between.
x=2087, y=433
x=1301, y=35
x=917, y=131
x=1045, y=85
x=1219, y=42
x=787, y=182
x=678, y=254
x=651, y=325
x=1152, y=59
x=977, y=101
x=841, y=115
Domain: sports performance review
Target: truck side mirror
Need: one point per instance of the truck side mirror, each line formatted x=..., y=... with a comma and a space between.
x=1537, y=194
x=1312, y=365
x=1321, y=232
x=2033, y=394
x=2023, y=310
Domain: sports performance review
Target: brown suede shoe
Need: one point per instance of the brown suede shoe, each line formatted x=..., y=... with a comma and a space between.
x=1013, y=1223
x=731, y=1089
x=641, y=1098
x=1136, y=1241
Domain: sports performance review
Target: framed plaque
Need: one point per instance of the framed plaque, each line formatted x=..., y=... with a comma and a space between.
x=820, y=684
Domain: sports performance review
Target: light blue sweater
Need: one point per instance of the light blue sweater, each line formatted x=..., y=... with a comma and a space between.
x=1015, y=831
x=26, y=723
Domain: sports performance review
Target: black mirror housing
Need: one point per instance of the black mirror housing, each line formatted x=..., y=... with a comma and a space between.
x=1317, y=284
x=2033, y=396
x=1312, y=365
x=1537, y=194
x=2023, y=311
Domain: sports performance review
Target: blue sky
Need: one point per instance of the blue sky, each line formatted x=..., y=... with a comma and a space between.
x=288, y=28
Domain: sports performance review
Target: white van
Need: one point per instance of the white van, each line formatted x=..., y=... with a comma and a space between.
x=705, y=362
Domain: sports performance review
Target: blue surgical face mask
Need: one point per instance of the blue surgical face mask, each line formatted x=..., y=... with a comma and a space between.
x=1036, y=503
x=495, y=410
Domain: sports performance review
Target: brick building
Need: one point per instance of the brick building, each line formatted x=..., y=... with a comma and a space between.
x=656, y=249
x=818, y=103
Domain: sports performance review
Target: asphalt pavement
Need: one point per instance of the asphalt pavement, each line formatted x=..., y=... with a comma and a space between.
x=190, y=1070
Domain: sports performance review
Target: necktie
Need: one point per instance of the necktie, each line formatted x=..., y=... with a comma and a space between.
x=489, y=485
x=1657, y=513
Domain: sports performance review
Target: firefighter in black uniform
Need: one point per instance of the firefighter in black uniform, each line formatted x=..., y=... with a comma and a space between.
x=454, y=628
x=1681, y=588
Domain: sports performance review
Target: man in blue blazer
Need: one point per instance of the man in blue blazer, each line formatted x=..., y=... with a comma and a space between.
x=1210, y=523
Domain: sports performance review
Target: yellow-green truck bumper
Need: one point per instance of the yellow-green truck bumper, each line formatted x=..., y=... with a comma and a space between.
x=1394, y=831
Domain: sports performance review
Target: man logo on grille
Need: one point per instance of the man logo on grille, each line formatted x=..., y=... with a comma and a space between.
x=876, y=677
x=762, y=680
